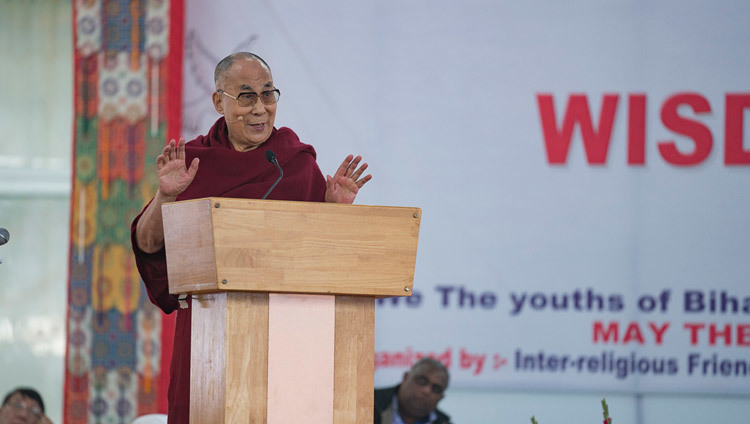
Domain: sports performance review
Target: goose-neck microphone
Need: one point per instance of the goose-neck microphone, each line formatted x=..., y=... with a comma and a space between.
x=271, y=157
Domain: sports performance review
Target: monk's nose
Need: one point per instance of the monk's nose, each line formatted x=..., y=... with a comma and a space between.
x=258, y=108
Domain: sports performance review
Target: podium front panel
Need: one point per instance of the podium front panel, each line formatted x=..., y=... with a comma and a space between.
x=221, y=244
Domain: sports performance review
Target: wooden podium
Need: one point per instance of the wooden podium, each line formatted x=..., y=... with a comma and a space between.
x=283, y=303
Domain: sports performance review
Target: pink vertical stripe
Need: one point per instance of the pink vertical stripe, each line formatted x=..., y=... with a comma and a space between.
x=300, y=358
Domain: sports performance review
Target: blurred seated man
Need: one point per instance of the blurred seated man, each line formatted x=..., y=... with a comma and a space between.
x=21, y=406
x=415, y=400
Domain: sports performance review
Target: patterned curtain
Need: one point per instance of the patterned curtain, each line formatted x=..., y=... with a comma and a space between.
x=127, y=79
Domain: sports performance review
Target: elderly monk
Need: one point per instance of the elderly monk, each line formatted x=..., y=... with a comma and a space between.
x=229, y=162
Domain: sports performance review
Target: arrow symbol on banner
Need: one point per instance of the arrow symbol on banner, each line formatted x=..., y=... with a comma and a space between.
x=498, y=361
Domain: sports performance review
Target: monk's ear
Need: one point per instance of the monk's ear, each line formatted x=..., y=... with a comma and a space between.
x=218, y=100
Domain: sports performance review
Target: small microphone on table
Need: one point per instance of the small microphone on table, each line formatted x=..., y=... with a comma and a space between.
x=271, y=157
x=4, y=236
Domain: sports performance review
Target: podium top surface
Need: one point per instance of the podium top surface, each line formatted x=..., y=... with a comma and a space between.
x=219, y=244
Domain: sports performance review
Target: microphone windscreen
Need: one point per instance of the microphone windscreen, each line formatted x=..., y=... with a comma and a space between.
x=270, y=156
x=4, y=236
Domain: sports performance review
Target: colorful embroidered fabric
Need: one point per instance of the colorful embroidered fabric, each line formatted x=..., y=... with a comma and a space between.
x=128, y=59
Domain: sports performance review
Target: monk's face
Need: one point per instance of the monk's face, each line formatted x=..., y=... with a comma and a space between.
x=249, y=126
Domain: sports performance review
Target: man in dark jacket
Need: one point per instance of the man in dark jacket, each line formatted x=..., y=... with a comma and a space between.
x=415, y=400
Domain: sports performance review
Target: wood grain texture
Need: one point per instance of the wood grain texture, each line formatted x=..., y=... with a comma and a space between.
x=240, y=369
x=229, y=358
x=354, y=361
x=276, y=358
x=208, y=359
x=247, y=357
x=298, y=247
x=188, y=238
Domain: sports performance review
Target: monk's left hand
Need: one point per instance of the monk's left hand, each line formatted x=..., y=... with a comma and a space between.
x=346, y=182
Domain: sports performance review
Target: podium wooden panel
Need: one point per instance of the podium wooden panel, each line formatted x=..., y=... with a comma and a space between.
x=283, y=308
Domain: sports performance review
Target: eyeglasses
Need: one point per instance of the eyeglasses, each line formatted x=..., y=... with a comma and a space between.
x=423, y=381
x=248, y=98
x=33, y=410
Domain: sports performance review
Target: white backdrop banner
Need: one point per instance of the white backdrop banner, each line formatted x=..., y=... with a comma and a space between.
x=583, y=169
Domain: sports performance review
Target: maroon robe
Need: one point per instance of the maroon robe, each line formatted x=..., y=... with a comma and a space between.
x=225, y=172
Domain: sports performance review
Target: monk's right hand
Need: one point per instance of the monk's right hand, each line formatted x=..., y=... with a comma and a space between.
x=174, y=176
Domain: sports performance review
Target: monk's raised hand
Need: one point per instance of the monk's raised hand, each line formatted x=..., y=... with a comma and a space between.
x=346, y=182
x=348, y=168
x=174, y=175
x=340, y=189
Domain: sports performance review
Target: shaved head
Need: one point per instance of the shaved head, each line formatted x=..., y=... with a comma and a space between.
x=226, y=64
x=429, y=363
x=241, y=80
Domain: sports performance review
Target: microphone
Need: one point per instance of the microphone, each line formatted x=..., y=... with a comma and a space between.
x=4, y=236
x=239, y=118
x=271, y=157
